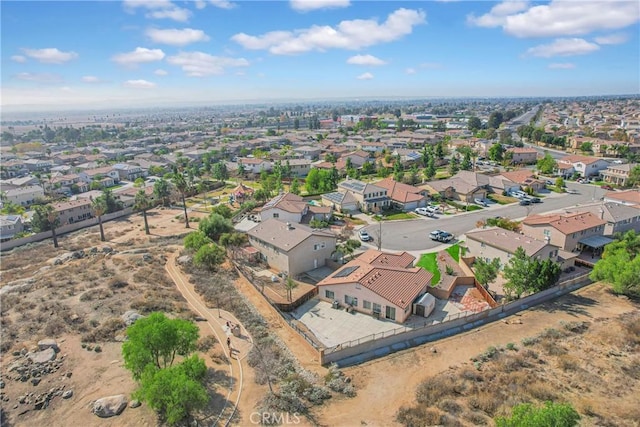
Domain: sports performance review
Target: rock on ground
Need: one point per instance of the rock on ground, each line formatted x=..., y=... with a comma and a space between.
x=109, y=406
x=48, y=343
x=129, y=317
x=43, y=356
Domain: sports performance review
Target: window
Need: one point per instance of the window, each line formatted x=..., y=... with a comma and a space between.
x=366, y=305
x=352, y=301
x=276, y=215
x=329, y=294
x=377, y=308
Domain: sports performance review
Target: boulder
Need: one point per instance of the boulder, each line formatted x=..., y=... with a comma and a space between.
x=129, y=317
x=109, y=406
x=43, y=356
x=48, y=343
x=67, y=394
x=134, y=403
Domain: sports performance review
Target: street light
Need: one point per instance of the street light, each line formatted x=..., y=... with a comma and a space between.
x=379, y=218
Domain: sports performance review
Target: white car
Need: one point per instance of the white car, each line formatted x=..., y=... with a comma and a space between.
x=364, y=236
x=433, y=209
x=480, y=202
x=423, y=211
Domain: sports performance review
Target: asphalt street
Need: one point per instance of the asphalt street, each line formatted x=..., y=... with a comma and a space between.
x=413, y=235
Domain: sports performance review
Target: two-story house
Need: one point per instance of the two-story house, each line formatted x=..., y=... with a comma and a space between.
x=585, y=166
x=24, y=196
x=129, y=172
x=369, y=197
x=288, y=207
x=73, y=211
x=572, y=232
x=10, y=226
x=523, y=155
x=107, y=176
x=618, y=174
x=292, y=248
x=403, y=196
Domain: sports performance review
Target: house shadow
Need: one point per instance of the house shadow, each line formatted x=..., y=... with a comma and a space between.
x=574, y=305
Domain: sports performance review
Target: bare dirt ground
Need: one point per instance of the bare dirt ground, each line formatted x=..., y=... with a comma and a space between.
x=82, y=300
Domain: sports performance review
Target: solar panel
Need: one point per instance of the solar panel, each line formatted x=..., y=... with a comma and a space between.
x=346, y=271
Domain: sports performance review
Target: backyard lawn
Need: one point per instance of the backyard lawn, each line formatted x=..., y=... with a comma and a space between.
x=428, y=262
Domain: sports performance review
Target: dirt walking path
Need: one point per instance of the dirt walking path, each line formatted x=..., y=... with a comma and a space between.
x=217, y=321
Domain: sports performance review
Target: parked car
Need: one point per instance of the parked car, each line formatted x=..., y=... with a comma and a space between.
x=525, y=202
x=423, y=211
x=433, y=209
x=535, y=200
x=480, y=202
x=364, y=236
x=606, y=187
x=549, y=182
x=572, y=191
x=435, y=234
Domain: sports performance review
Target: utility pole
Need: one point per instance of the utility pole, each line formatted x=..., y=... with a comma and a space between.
x=380, y=233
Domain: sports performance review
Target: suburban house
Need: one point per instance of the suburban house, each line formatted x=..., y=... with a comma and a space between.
x=253, y=165
x=620, y=218
x=373, y=147
x=618, y=174
x=64, y=183
x=525, y=178
x=499, y=243
x=358, y=158
x=38, y=165
x=299, y=167
x=12, y=168
x=291, y=208
x=292, y=248
x=628, y=197
x=585, y=166
x=24, y=196
x=370, y=197
x=129, y=172
x=73, y=211
x=467, y=186
x=382, y=284
x=341, y=202
x=572, y=232
x=308, y=152
x=523, y=155
x=10, y=225
x=107, y=176
x=403, y=196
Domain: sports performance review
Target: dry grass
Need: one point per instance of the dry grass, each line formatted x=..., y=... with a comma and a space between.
x=595, y=366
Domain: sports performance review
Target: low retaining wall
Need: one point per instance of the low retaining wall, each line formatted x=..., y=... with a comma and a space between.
x=406, y=338
x=63, y=229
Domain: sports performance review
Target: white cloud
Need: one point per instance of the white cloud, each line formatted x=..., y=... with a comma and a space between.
x=560, y=17
x=91, y=79
x=562, y=66
x=50, y=55
x=612, y=39
x=131, y=5
x=365, y=60
x=410, y=71
x=139, y=84
x=354, y=34
x=200, y=4
x=222, y=4
x=365, y=76
x=200, y=64
x=19, y=58
x=139, y=55
x=177, y=37
x=39, y=77
x=307, y=5
x=160, y=72
x=177, y=14
x=563, y=47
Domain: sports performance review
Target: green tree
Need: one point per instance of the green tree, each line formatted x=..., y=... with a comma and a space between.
x=586, y=147
x=620, y=265
x=155, y=341
x=547, y=164
x=175, y=392
x=182, y=185
x=161, y=191
x=45, y=218
x=220, y=172
x=139, y=182
x=634, y=177
x=430, y=170
x=466, y=164
x=313, y=182
x=209, y=256
x=196, y=240
x=496, y=152
x=295, y=186
x=486, y=271
x=214, y=225
x=223, y=210
x=99, y=207
x=142, y=203
x=290, y=285
x=559, y=183
x=454, y=165
x=233, y=241
x=440, y=150
x=516, y=272
x=474, y=124
x=495, y=120
x=551, y=414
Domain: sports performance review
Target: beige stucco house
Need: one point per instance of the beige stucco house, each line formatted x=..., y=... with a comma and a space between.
x=73, y=211
x=523, y=155
x=288, y=207
x=292, y=248
x=571, y=232
x=382, y=284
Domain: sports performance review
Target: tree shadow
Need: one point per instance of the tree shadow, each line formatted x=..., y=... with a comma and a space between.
x=574, y=305
x=218, y=383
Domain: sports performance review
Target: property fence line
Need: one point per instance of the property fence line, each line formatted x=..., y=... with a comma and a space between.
x=405, y=337
x=63, y=229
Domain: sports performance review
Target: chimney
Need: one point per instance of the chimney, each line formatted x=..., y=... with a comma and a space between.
x=601, y=213
x=289, y=227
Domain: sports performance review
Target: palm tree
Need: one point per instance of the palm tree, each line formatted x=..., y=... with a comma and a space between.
x=54, y=221
x=182, y=186
x=290, y=284
x=99, y=207
x=143, y=204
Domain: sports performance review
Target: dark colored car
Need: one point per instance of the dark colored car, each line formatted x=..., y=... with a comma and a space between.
x=535, y=200
x=525, y=202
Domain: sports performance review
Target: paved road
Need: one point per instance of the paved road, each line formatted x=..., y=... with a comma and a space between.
x=413, y=235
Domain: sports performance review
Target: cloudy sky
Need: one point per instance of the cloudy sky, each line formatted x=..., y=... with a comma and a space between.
x=61, y=55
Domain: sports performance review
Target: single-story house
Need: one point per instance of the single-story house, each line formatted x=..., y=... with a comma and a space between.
x=289, y=207
x=382, y=284
x=403, y=196
x=524, y=178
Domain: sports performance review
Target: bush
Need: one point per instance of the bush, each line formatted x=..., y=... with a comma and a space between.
x=511, y=346
x=551, y=414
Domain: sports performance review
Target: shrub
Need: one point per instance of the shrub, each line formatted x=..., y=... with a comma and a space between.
x=511, y=346
x=436, y=388
x=529, y=341
x=551, y=414
x=486, y=401
x=418, y=416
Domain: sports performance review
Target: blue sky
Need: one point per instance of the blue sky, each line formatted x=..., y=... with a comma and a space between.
x=61, y=55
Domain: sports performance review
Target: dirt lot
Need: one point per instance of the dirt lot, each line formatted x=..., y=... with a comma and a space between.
x=81, y=300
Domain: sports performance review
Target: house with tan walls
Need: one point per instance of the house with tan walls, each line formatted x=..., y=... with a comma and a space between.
x=572, y=232
x=384, y=285
x=292, y=248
